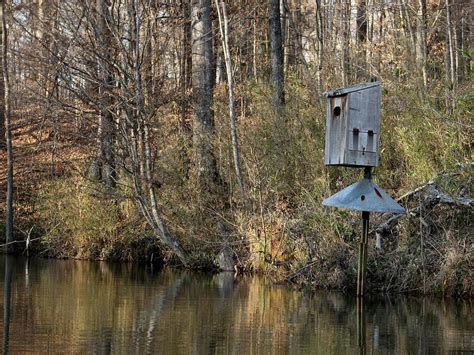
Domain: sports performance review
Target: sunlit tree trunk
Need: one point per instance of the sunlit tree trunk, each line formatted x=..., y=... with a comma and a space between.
x=345, y=24
x=361, y=22
x=223, y=24
x=320, y=41
x=5, y=97
x=464, y=33
x=449, y=49
x=140, y=151
x=255, y=46
x=421, y=41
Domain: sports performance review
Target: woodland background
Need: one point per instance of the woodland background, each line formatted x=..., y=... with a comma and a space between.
x=177, y=130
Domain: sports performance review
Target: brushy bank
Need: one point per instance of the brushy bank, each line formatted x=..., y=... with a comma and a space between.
x=279, y=226
x=78, y=219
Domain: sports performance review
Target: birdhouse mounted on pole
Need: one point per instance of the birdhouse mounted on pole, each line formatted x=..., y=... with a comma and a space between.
x=352, y=139
x=353, y=125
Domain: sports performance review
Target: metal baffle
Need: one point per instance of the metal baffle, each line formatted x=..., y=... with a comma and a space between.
x=364, y=196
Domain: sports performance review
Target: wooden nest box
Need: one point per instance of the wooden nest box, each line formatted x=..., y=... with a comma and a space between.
x=353, y=125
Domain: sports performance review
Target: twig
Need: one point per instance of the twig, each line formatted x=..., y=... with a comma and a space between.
x=294, y=274
x=18, y=241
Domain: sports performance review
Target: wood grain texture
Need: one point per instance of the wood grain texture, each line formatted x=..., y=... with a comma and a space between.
x=353, y=126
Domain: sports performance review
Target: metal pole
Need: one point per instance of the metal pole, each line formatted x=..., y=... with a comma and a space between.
x=361, y=325
x=363, y=245
x=363, y=251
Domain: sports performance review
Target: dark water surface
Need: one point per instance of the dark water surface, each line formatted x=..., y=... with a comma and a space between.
x=51, y=306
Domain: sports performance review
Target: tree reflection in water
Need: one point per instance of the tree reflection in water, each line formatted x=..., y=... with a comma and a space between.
x=77, y=306
x=7, y=290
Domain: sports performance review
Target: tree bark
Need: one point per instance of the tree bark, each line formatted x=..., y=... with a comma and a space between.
x=452, y=74
x=345, y=19
x=294, y=52
x=8, y=126
x=409, y=32
x=3, y=143
x=223, y=25
x=361, y=22
x=203, y=84
x=105, y=164
x=320, y=46
x=140, y=151
x=276, y=58
x=421, y=40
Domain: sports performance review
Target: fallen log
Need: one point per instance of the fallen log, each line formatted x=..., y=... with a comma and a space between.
x=432, y=196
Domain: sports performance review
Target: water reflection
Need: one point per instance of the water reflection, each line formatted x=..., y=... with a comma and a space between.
x=74, y=306
x=361, y=326
x=7, y=290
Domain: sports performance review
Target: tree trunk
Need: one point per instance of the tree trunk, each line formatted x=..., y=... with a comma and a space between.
x=320, y=46
x=295, y=41
x=140, y=148
x=463, y=45
x=361, y=22
x=3, y=144
x=276, y=58
x=185, y=86
x=187, y=52
x=223, y=25
x=8, y=133
x=105, y=164
x=421, y=40
x=255, y=46
x=449, y=49
x=203, y=77
x=409, y=32
x=345, y=19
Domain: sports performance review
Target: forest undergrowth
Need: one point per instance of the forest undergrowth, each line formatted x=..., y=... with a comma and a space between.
x=278, y=226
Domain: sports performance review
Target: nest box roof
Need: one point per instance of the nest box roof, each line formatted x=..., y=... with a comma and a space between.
x=351, y=89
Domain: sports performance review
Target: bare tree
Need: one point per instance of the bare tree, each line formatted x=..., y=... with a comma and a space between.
x=320, y=43
x=203, y=85
x=451, y=73
x=361, y=23
x=103, y=167
x=138, y=136
x=421, y=41
x=5, y=98
x=120, y=97
x=276, y=57
x=224, y=30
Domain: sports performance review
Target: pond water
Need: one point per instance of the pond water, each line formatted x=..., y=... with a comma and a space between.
x=57, y=306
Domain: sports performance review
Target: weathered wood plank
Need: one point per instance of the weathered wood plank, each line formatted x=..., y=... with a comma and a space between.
x=353, y=126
